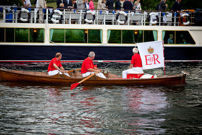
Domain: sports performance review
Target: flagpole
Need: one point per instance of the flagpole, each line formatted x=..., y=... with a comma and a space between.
x=164, y=57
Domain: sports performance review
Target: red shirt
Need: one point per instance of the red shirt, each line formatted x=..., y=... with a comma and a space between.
x=54, y=61
x=87, y=64
x=136, y=60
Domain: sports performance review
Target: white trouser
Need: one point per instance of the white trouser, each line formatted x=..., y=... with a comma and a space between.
x=137, y=69
x=54, y=72
x=98, y=74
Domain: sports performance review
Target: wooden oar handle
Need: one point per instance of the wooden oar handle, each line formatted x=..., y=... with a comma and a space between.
x=88, y=77
x=73, y=70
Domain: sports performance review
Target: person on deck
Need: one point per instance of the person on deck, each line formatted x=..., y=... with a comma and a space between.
x=86, y=5
x=26, y=3
x=40, y=4
x=127, y=5
x=55, y=66
x=101, y=5
x=118, y=5
x=91, y=4
x=138, y=6
x=110, y=4
x=136, y=64
x=88, y=67
x=176, y=8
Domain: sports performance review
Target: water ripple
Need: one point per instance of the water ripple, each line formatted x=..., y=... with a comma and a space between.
x=40, y=109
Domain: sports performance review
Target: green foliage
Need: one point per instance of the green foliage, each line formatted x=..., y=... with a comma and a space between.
x=186, y=4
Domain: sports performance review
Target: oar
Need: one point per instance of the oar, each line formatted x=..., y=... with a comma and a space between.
x=74, y=85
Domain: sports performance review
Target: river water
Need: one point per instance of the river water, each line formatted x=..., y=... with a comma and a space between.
x=27, y=108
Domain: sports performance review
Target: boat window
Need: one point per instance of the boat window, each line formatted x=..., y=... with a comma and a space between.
x=76, y=36
x=128, y=36
x=2, y=35
x=57, y=35
x=131, y=36
x=37, y=35
x=168, y=37
x=114, y=36
x=138, y=36
x=9, y=34
x=177, y=37
x=150, y=35
x=183, y=37
x=21, y=34
x=1, y=13
x=94, y=36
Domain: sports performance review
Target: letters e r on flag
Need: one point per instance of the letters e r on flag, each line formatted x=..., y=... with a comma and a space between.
x=152, y=54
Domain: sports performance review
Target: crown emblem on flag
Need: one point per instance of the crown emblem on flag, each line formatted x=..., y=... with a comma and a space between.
x=150, y=50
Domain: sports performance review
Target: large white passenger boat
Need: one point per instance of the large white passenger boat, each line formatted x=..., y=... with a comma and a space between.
x=110, y=34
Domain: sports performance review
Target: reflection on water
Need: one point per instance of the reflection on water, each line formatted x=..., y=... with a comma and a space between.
x=40, y=109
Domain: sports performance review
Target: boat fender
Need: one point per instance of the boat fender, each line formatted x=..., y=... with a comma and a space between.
x=117, y=17
x=151, y=20
x=55, y=20
x=24, y=19
x=93, y=14
x=188, y=22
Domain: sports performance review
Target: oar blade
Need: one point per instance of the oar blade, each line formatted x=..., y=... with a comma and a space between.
x=74, y=85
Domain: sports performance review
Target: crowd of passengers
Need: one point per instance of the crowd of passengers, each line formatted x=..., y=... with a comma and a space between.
x=125, y=5
x=104, y=5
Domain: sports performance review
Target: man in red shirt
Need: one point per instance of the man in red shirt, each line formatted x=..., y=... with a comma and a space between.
x=88, y=67
x=136, y=64
x=55, y=66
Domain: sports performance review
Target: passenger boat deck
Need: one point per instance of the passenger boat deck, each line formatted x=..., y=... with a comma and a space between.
x=110, y=34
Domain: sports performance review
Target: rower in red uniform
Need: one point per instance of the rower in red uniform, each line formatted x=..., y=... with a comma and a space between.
x=55, y=66
x=136, y=64
x=88, y=67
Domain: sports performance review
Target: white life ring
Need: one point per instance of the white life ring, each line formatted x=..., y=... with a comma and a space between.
x=93, y=14
x=24, y=19
x=188, y=22
x=123, y=13
x=54, y=20
x=151, y=21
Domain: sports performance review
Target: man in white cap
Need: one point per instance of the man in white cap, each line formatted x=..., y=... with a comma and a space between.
x=136, y=64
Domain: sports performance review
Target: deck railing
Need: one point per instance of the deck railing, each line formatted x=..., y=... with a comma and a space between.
x=15, y=14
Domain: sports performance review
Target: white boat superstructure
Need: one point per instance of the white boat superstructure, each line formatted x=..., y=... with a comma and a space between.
x=106, y=31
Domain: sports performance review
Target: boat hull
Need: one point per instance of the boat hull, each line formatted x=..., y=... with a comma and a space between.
x=23, y=53
x=38, y=77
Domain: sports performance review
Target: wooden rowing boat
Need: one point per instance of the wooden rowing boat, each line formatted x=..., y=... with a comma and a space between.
x=42, y=77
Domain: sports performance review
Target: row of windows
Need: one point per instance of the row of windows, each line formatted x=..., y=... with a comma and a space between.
x=177, y=37
x=36, y=35
x=31, y=35
x=75, y=36
x=131, y=36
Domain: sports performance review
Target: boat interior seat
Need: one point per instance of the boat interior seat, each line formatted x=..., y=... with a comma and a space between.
x=75, y=73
